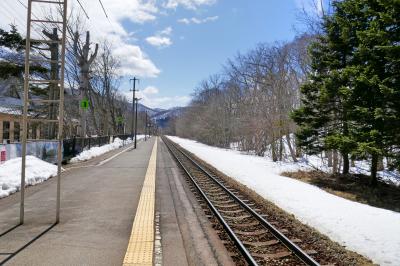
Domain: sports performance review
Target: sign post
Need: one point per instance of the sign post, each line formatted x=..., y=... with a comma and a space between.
x=84, y=104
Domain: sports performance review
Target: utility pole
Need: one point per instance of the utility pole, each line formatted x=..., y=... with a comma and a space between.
x=136, y=109
x=134, y=121
x=145, y=127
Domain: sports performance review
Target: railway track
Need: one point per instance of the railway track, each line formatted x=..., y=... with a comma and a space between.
x=255, y=240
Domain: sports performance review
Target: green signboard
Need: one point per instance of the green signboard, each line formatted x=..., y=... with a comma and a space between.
x=85, y=104
x=120, y=120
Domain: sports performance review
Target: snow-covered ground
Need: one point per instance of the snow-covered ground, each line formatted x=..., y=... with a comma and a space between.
x=37, y=171
x=370, y=231
x=97, y=151
x=360, y=167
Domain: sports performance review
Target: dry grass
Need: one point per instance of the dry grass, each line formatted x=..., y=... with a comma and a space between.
x=353, y=187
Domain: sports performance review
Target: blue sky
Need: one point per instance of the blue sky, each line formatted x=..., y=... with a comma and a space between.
x=172, y=45
x=197, y=50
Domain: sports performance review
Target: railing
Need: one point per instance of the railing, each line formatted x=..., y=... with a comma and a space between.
x=45, y=150
x=74, y=146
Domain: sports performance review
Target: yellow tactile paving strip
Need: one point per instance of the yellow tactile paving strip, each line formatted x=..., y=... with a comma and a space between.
x=141, y=242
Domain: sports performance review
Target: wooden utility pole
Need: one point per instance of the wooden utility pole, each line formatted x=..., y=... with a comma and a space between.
x=134, y=121
x=136, y=110
x=84, y=62
x=145, y=127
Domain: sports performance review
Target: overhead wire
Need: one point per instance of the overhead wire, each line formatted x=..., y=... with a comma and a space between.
x=84, y=11
x=36, y=30
x=45, y=26
x=104, y=10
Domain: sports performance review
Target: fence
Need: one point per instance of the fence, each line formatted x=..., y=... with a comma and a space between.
x=47, y=150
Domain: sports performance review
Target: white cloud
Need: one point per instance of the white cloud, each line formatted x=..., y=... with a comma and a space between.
x=150, y=90
x=159, y=41
x=194, y=20
x=149, y=98
x=161, y=38
x=184, y=21
x=166, y=31
x=167, y=102
x=189, y=4
x=135, y=61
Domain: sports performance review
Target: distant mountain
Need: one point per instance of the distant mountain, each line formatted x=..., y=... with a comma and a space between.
x=159, y=109
x=175, y=111
x=162, y=118
x=151, y=112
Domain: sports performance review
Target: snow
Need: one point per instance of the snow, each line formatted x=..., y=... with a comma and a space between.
x=37, y=171
x=361, y=167
x=9, y=110
x=370, y=231
x=97, y=151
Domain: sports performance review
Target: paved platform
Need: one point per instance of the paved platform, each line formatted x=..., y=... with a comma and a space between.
x=187, y=237
x=98, y=209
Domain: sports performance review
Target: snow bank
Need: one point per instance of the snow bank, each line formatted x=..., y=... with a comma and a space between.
x=360, y=167
x=37, y=171
x=370, y=231
x=97, y=151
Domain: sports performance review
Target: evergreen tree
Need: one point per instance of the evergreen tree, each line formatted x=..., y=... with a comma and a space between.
x=323, y=118
x=356, y=70
x=12, y=64
x=375, y=76
x=11, y=40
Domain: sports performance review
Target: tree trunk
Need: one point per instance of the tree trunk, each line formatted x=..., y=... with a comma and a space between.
x=292, y=153
x=330, y=158
x=346, y=163
x=298, y=149
x=374, y=168
x=335, y=162
x=380, y=164
x=273, y=151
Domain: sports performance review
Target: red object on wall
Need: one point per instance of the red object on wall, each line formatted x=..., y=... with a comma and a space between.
x=3, y=156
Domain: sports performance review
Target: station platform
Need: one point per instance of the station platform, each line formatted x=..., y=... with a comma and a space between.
x=130, y=207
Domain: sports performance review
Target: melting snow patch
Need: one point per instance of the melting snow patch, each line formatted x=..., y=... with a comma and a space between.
x=370, y=231
x=97, y=151
x=37, y=171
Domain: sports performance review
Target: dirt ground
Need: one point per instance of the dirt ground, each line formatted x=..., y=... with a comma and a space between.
x=353, y=187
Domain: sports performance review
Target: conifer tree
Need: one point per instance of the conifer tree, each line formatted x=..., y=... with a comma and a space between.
x=324, y=116
x=354, y=87
x=375, y=76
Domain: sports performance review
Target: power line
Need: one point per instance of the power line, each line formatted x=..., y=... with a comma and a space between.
x=22, y=4
x=14, y=15
x=10, y=11
x=84, y=11
x=36, y=17
x=104, y=10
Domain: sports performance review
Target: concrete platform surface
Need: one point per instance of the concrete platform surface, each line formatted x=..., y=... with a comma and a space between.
x=98, y=205
x=98, y=208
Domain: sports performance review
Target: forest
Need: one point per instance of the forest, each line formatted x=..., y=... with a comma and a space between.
x=333, y=91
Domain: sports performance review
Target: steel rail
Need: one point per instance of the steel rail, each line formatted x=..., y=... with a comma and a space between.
x=242, y=249
x=301, y=254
